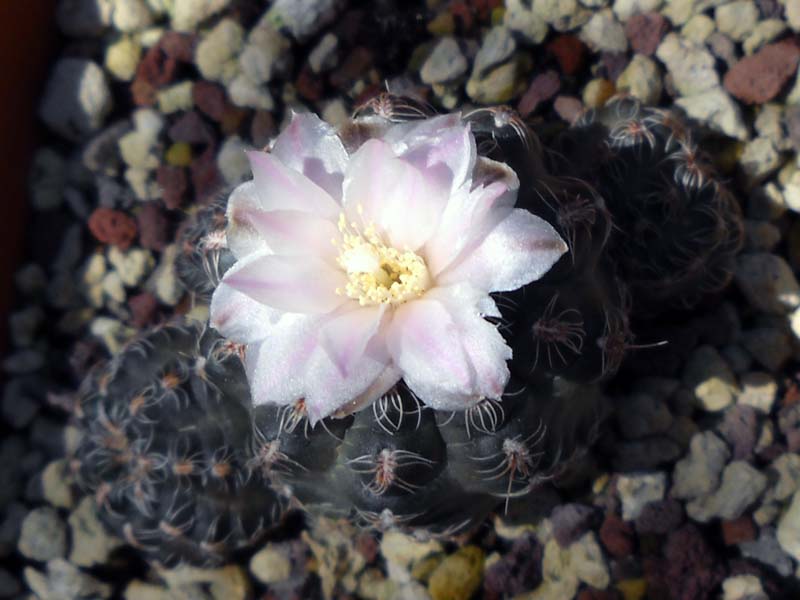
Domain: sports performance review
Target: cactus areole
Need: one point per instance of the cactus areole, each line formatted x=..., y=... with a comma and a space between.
x=358, y=265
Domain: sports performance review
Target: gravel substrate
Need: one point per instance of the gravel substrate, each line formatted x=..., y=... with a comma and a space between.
x=693, y=490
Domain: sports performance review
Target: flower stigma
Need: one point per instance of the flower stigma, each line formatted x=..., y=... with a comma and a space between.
x=378, y=273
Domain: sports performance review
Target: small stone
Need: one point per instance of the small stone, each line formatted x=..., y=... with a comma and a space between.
x=499, y=85
x=47, y=178
x=691, y=65
x=645, y=31
x=636, y=491
x=402, y=551
x=122, y=57
x=759, y=78
x=569, y=52
x=57, y=484
x=132, y=266
x=767, y=282
x=759, y=160
x=603, y=33
x=216, y=54
x=597, y=92
x=232, y=161
x=711, y=379
x=188, y=14
x=63, y=580
x=521, y=18
x=9, y=586
x=131, y=15
x=143, y=309
x=698, y=29
x=640, y=415
x=562, y=15
x=698, y=474
x=759, y=390
x=769, y=346
x=175, y=98
x=179, y=155
x=458, y=576
x=741, y=486
x=543, y=87
x=91, y=545
x=174, y=184
x=660, y=518
x=112, y=227
x=763, y=33
x=497, y=47
x=570, y=522
x=645, y=454
x=266, y=54
x=153, y=226
x=164, y=281
x=43, y=535
x=743, y=587
x=324, y=56
x=738, y=530
x=617, y=536
x=77, y=99
x=627, y=9
x=111, y=332
x=271, y=564
x=303, y=18
x=760, y=236
x=446, y=63
x=243, y=92
x=568, y=108
x=736, y=19
x=642, y=79
x=788, y=533
x=136, y=150
x=716, y=109
x=210, y=99
x=84, y=18
x=770, y=551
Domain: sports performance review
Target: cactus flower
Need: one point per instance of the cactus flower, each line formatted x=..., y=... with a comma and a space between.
x=361, y=264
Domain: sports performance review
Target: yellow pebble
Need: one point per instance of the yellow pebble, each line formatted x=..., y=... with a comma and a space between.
x=632, y=589
x=179, y=155
x=597, y=91
x=458, y=576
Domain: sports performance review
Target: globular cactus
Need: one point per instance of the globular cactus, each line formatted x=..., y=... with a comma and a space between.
x=165, y=448
x=396, y=461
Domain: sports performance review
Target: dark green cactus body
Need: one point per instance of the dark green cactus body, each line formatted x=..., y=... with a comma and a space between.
x=166, y=445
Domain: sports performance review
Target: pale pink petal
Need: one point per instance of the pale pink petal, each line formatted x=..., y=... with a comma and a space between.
x=278, y=187
x=301, y=284
x=393, y=195
x=425, y=343
x=410, y=134
x=242, y=238
x=519, y=250
x=288, y=231
x=240, y=318
x=382, y=384
x=310, y=146
x=346, y=333
x=468, y=218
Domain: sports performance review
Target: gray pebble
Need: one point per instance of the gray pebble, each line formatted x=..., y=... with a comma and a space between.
x=640, y=415
x=188, y=14
x=768, y=282
x=496, y=48
x=698, y=474
x=636, y=491
x=769, y=346
x=84, y=18
x=603, y=33
x=43, y=535
x=21, y=400
x=445, y=63
x=303, y=18
x=63, y=581
x=710, y=378
x=742, y=484
x=768, y=551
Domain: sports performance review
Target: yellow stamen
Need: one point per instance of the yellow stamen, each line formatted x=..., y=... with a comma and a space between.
x=377, y=273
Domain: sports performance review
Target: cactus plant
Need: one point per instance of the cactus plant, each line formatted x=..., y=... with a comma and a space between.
x=342, y=412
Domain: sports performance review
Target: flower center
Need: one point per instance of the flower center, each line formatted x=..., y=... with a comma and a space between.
x=377, y=273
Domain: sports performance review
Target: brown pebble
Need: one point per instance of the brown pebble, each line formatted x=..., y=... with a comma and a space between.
x=205, y=176
x=617, y=536
x=569, y=52
x=759, y=78
x=209, y=98
x=153, y=227
x=179, y=46
x=112, y=227
x=644, y=32
x=143, y=308
x=568, y=108
x=155, y=70
x=738, y=530
x=192, y=129
x=309, y=85
x=354, y=67
x=543, y=87
x=262, y=128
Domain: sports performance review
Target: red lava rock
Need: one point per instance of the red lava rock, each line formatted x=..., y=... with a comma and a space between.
x=368, y=546
x=179, y=46
x=570, y=522
x=308, y=85
x=210, y=99
x=740, y=430
x=192, y=129
x=262, y=128
x=543, y=87
x=112, y=227
x=143, y=308
x=759, y=78
x=461, y=12
x=153, y=227
x=738, y=530
x=354, y=66
x=644, y=32
x=518, y=570
x=617, y=536
x=155, y=70
x=614, y=64
x=569, y=51
x=659, y=517
x=568, y=108
x=205, y=176
x=173, y=183
x=232, y=119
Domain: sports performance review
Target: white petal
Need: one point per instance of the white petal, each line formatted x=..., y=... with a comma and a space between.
x=519, y=250
x=393, y=195
x=346, y=334
x=468, y=218
x=278, y=187
x=310, y=146
x=240, y=318
x=291, y=232
x=302, y=284
x=425, y=343
x=241, y=237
